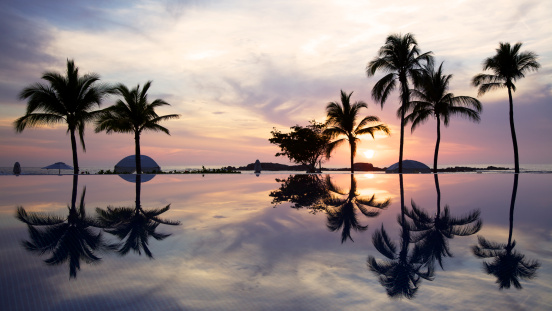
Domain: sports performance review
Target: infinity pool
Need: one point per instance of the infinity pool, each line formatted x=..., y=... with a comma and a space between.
x=276, y=242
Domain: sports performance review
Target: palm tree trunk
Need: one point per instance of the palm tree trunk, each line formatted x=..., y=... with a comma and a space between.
x=405, y=100
x=74, y=148
x=74, y=191
x=513, y=130
x=512, y=205
x=438, y=189
x=138, y=190
x=436, y=155
x=353, y=148
x=137, y=151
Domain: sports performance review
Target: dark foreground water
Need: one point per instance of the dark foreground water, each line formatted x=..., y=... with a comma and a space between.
x=276, y=242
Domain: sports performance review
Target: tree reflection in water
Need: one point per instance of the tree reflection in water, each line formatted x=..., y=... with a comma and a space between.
x=134, y=225
x=341, y=211
x=434, y=232
x=429, y=235
x=303, y=191
x=318, y=194
x=68, y=239
x=401, y=274
x=508, y=265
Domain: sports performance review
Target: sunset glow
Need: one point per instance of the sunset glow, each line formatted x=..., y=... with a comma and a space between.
x=265, y=65
x=369, y=154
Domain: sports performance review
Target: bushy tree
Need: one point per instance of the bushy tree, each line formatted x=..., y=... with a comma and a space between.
x=303, y=145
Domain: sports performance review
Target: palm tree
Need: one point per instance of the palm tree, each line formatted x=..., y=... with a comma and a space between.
x=508, y=65
x=508, y=265
x=433, y=232
x=68, y=239
x=342, y=211
x=400, y=58
x=134, y=225
x=432, y=99
x=133, y=114
x=67, y=99
x=404, y=270
x=342, y=121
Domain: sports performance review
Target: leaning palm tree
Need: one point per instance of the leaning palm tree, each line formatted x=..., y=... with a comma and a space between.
x=400, y=58
x=433, y=100
x=341, y=121
x=508, y=65
x=67, y=99
x=133, y=114
x=508, y=266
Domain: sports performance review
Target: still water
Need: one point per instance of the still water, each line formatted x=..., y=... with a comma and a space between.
x=276, y=242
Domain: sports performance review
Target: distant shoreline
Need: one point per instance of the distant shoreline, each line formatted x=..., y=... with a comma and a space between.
x=284, y=168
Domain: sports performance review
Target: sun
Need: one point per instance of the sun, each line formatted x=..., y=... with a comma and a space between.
x=369, y=154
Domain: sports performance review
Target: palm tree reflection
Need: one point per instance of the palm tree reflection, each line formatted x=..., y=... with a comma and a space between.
x=508, y=266
x=134, y=225
x=434, y=232
x=319, y=194
x=68, y=239
x=402, y=273
x=341, y=211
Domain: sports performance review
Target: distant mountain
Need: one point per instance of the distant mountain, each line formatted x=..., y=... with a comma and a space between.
x=268, y=166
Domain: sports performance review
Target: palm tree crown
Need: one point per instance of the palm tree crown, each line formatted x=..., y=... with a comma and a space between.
x=342, y=119
x=508, y=65
x=67, y=99
x=133, y=114
x=400, y=58
x=432, y=99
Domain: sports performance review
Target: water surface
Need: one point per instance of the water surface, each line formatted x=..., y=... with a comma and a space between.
x=277, y=242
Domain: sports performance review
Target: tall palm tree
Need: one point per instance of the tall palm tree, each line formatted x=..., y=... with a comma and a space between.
x=508, y=265
x=68, y=239
x=342, y=211
x=508, y=65
x=432, y=99
x=133, y=114
x=400, y=58
x=66, y=99
x=342, y=120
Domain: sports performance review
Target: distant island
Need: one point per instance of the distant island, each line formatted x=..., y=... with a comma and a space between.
x=361, y=166
x=269, y=166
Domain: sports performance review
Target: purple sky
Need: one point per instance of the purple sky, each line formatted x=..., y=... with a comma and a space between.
x=236, y=69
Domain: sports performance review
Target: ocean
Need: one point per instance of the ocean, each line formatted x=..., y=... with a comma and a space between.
x=524, y=168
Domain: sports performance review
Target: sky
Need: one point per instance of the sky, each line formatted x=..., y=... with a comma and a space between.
x=235, y=70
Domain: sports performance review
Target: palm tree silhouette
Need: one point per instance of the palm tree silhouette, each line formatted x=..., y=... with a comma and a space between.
x=400, y=58
x=433, y=100
x=403, y=271
x=508, y=266
x=67, y=99
x=133, y=114
x=433, y=232
x=342, y=121
x=134, y=225
x=508, y=65
x=68, y=239
x=341, y=212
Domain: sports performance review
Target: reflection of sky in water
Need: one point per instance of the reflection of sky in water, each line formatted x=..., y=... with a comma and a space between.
x=235, y=250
